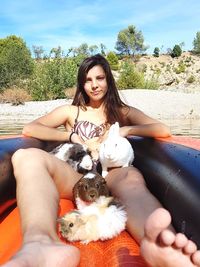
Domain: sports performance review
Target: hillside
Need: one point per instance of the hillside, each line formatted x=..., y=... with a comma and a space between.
x=181, y=73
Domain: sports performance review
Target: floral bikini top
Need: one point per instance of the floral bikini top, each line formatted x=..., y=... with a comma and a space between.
x=87, y=130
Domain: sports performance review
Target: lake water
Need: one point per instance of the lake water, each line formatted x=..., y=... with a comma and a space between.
x=179, y=126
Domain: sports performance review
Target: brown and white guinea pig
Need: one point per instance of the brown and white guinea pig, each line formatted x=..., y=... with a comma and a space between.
x=76, y=155
x=103, y=219
x=89, y=188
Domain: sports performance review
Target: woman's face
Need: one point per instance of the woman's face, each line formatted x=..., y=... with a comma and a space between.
x=96, y=85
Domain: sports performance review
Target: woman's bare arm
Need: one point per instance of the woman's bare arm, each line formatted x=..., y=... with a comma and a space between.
x=141, y=124
x=46, y=127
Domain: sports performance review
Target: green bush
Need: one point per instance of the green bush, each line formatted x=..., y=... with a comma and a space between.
x=52, y=77
x=191, y=79
x=15, y=61
x=168, y=67
x=113, y=60
x=131, y=78
x=151, y=83
x=181, y=67
x=196, y=44
x=176, y=51
x=156, y=52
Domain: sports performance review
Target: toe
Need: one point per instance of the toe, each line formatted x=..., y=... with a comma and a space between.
x=180, y=241
x=167, y=238
x=158, y=221
x=196, y=258
x=190, y=247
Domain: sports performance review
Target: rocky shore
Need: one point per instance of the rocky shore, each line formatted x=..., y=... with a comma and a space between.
x=156, y=103
x=179, y=110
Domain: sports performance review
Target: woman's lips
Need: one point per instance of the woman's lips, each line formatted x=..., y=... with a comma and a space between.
x=95, y=93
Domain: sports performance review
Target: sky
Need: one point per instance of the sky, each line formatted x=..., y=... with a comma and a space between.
x=53, y=23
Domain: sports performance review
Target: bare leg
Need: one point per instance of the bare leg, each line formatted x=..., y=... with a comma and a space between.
x=129, y=186
x=149, y=224
x=41, y=180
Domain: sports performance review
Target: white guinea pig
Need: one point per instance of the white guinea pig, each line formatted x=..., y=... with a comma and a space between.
x=115, y=151
x=103, y=219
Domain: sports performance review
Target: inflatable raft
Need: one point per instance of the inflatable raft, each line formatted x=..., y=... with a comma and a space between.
x=171, y=168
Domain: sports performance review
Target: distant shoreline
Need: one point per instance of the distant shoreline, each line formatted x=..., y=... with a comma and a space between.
x=156, y=103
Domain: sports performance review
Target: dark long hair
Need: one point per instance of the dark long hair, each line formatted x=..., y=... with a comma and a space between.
x=113, y=103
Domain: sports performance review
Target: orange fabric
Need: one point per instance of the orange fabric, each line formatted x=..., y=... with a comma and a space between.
x=5, y=208
x=183, y=140
x=119, y=251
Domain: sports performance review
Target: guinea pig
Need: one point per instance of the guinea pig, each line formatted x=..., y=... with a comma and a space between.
x=76, y=155
x=89, y=188
x=73, y=226
x=103, y=219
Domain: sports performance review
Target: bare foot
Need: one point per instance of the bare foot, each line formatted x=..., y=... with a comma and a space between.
x=45, y=254
x=160, y=247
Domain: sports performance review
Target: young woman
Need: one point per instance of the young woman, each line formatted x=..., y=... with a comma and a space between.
x=43, y=179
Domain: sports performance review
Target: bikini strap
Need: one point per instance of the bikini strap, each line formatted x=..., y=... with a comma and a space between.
x=76, y=119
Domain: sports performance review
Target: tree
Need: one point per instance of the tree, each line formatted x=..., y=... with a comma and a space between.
x=129, y=77
x=93, y=49
x=15, y=61
x=130, y=41
x=113, y=60
x=38, y=51
x=196, y=43
x=182, y=44
x=51, y=78
x=103, y=48
x=56, y=52
x=156, y=52
x=83, y=49
x=176, y=51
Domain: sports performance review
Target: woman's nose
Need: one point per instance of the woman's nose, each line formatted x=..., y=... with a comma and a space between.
x=94, y=84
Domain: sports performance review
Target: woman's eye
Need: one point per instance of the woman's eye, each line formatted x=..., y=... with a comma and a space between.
x=100, y=78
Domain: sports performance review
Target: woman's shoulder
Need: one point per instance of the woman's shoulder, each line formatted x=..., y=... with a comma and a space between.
x=66, y=108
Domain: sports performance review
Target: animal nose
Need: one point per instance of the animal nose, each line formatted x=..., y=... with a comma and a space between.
x=88, y=167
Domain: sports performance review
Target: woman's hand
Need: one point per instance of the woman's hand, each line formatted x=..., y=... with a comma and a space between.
x=93, y=145
x=124, y=131
x=75, y=138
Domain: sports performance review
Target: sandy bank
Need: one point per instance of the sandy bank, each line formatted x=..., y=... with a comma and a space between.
x=157, y=103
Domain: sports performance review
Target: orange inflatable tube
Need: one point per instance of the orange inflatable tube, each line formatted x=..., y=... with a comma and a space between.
x=119, y=251
x=166, y=166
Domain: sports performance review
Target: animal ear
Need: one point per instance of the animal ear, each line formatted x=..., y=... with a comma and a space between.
x=116, y=127
x=111, y=131
x=81, y=221
x=115, y=130
x=60, y=220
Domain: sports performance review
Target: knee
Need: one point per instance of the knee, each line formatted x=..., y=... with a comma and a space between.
x=128, y=179
x=133, y=178
x=24, y=157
